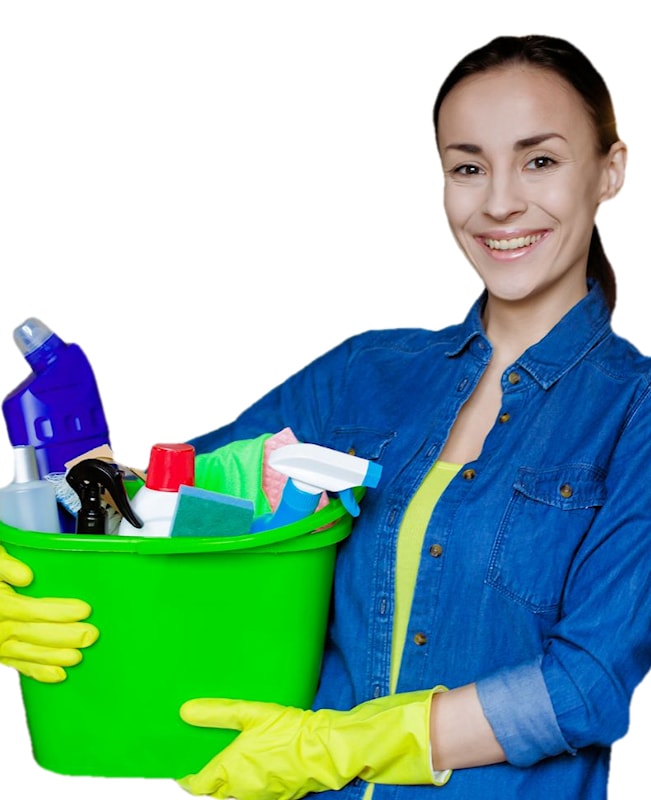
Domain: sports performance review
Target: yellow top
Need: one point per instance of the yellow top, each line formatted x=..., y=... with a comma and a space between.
x=410, y=543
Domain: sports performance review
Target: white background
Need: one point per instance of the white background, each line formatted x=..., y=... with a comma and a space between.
x=207, y=195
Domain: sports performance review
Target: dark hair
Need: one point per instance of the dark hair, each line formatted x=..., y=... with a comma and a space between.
x=563, y=58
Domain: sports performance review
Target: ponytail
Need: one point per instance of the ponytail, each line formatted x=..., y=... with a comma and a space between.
x=600, y=268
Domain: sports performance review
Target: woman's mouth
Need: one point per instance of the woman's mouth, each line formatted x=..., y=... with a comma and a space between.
x=512, y=244
x=506, y=248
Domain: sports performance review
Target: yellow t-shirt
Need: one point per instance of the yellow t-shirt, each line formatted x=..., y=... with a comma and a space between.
x=410, y=543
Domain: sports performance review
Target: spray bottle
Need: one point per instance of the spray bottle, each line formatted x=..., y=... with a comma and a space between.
x=28, y=502
x=91, y=478
x=170, y=466
x=57, y=409
x=311, y=470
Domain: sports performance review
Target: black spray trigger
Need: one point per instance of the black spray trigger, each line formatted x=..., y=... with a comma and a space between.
x=90, y=478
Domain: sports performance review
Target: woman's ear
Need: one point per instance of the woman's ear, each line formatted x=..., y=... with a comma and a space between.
x=614, y=170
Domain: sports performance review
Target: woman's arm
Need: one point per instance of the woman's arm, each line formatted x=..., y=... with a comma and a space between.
x=460, y=733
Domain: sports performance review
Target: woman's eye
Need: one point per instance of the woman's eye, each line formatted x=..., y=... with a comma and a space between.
x=540, y=162
x=468, y=169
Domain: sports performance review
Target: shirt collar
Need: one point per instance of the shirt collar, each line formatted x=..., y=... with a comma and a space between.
x=570, y=339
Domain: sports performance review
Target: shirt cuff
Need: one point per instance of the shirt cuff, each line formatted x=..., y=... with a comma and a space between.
x=519, y=709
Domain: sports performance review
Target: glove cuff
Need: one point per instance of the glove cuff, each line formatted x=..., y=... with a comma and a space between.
x=439, y=776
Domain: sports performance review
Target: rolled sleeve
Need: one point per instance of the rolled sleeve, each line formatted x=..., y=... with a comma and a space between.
x=518, y=707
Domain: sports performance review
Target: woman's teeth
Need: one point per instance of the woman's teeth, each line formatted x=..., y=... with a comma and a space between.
x=512, y=244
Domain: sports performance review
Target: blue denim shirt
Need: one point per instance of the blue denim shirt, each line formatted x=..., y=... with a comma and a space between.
x=539, y=587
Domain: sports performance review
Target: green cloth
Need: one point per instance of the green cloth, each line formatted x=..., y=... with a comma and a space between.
x=235, y=469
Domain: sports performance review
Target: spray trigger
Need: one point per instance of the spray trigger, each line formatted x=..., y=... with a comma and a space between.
x=349, y=503
x=90, y=478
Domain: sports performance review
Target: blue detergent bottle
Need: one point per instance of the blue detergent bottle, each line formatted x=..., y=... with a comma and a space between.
x=57, y=409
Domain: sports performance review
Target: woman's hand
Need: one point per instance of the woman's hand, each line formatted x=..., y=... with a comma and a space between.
x=39, y=636
x=282, y=753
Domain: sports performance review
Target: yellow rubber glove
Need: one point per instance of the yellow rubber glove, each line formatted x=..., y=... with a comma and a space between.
x=39, y=636
x=282, y=753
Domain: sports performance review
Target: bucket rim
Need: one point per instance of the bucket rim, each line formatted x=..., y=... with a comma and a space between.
x=333, y=517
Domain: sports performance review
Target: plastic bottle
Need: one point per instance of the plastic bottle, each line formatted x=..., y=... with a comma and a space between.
x=57, y=409
x=170, y=466
x=312, y=469
x=29, y=502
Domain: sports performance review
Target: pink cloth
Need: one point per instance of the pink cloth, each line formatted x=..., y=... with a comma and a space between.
x=273, y=482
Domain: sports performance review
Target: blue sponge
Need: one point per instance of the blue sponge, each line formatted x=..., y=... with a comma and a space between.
x=200, y=512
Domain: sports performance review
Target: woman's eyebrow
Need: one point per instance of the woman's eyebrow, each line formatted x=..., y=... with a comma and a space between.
x=520, y=144
x=532, y=141
x=473, y=149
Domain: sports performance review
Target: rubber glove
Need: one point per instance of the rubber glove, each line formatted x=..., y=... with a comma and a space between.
x=39, y=636
x=283, y=753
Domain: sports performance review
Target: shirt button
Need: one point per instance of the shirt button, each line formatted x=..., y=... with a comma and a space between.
x=514, y=377
x=420, y=639
x=435, y=550
x=505, y=417
x=469, y=474
x=566, y=490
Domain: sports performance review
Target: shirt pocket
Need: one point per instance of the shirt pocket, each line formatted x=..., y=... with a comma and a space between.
x=546, y=519
x=366, y=443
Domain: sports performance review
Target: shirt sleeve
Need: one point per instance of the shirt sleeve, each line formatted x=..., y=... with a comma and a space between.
x=303, y=403
x=527, y=730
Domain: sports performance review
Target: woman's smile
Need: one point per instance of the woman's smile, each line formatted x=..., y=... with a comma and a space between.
x=506, y=247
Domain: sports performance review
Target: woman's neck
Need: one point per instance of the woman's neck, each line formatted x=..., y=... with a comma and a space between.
x=512, y=327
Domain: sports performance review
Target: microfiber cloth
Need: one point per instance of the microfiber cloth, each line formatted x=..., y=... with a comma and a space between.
x=235, y=469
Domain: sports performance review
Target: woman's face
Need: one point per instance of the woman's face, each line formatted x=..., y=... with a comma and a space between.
x=523, y=181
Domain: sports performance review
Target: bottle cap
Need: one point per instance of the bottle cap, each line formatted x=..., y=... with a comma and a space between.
x=170, y=465
x=31, y=335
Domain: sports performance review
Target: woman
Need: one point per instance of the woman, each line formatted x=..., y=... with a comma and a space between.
x=506, y=556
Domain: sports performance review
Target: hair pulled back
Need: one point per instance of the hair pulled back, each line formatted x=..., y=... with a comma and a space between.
x=568, y=62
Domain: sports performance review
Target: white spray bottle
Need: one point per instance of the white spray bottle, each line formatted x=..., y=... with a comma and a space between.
x=311, y=470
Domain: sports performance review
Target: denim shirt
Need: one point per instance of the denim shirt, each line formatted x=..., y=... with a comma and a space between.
x=535, y=573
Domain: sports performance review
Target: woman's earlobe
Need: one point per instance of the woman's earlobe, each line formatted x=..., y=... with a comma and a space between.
x=615, y=170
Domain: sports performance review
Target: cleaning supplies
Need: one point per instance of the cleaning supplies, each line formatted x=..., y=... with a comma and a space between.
x=91, y=478
x=201, y=512
x=313, y=469
x=170, y=466
x=57, y=409
x=29, y=502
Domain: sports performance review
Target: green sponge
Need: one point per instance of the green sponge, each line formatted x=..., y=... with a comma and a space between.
x=201, y=512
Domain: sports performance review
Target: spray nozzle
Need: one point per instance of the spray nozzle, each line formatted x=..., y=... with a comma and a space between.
x=315, y=469
x=90, y=478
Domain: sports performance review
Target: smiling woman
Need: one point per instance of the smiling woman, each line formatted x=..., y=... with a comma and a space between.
x=492, y=607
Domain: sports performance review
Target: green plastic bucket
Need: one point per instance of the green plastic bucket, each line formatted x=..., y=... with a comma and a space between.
x=241, y=617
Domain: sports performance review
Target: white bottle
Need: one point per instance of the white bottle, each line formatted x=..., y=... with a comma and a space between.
x=28, y=502
x=170, y=466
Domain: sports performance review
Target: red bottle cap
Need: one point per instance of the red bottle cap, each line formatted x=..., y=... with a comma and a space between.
x=170, y=465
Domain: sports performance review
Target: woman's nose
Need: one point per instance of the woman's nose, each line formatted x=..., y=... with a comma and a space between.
x=504, y=196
